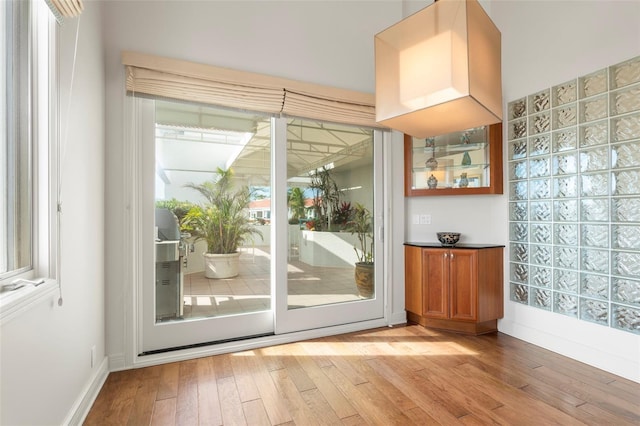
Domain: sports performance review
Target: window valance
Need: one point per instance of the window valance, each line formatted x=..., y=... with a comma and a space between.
x=183, y=80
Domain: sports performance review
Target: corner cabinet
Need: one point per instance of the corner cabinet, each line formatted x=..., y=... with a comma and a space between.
x=467, y=162
x=454, y=288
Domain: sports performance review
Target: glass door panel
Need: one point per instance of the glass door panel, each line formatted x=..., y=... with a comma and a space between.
x=211, y=234
x=331, y=205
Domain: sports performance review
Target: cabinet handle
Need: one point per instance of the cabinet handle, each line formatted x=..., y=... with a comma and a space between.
x=451, y=256
x=446, y=255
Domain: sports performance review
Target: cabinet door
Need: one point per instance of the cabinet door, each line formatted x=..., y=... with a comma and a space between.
x=413, y=279
x=435, y=275
x=464, y=284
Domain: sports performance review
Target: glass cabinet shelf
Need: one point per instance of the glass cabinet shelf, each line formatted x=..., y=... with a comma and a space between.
x=466, y=162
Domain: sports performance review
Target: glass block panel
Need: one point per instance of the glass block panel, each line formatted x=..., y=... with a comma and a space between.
x=539, y=123
x=625, y=73
x=519, y=231
x=594, y=185
x=518, y=108
x=539, y=101
x=565, y=304
x=520, y=273
x=625, y=155
x=565, y=116
x=565, y=234
x=541, y=233
x=626, y=237
x=566, y=257
x=594, y=159
x=541, y=255
x=519, y=293
x=594, y=109
x=565, y=163
x=625, y=128
x=564, y=140
x=625, y=100
x=540, y=298
x=594, y=133
x=540, y=211
x=541, y=277
x=539, y=167
x=518, y=129
x=625, y=318
x=565, y=210
x=594, y=210
x=594, y=286
x=539, y=145
x=625, y=291
x=518, y=211
x=564, y=187
x=594, y=235
x=566, y=281
x=626, y=264
x=593, y=84
x=627, y=182
x=517, y=170
x=540, y=188
x=595, y=261
x=564, y=93
x=519, y=190
x=519, y=252
x=625, y=209
x=517, y=149
x=594, y=311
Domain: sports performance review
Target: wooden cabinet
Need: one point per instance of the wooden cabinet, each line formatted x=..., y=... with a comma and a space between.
x=459, y=289
x=467, y=162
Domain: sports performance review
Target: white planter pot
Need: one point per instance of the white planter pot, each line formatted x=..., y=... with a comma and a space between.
x=221, y=265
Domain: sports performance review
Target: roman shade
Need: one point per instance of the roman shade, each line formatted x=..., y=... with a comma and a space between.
x=65, y=8
x=189, y=81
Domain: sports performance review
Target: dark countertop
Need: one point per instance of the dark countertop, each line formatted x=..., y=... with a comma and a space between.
x=457, y=246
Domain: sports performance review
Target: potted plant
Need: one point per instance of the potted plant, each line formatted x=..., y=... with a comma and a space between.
x=222, y=221
x=326, y=198
x=362, y=227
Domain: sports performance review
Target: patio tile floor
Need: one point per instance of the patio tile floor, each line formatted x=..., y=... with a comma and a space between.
x=250, y=291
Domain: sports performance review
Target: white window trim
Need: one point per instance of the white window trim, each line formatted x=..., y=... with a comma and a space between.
x=45, y=131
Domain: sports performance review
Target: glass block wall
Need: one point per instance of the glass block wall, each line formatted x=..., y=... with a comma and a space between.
x=574, y=198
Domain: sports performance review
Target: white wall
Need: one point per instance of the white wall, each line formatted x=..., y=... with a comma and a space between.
x=320, y=42
x=46, y=352
x=544, y=44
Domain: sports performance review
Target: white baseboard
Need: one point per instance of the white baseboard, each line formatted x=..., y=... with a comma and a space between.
x=83, y=403
x=398, y=318
x=602, y=347
x=117, y=362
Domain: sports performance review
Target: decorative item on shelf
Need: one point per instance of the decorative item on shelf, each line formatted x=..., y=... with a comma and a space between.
x=466, y=159
x=443, y=58
x=448, y=239
x=429, y=143
x=464, y=181
x=432, y=182
x=431, y=163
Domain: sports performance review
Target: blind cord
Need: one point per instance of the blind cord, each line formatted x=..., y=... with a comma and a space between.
x=62, y=147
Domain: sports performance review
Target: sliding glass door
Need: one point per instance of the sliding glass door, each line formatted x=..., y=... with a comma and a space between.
x=332, y=277
x=209, y=278
x=255, y=225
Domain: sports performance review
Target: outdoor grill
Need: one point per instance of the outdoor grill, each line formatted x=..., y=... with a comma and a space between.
x=170, y=250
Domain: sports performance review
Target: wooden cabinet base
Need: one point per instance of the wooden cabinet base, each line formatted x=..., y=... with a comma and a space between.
x=457, y=326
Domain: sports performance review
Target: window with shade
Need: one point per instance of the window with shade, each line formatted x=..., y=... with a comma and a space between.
x=27, y=149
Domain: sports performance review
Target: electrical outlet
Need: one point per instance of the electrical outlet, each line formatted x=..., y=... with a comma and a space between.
x=416, y=219
x=425, y=219
x=93, y=356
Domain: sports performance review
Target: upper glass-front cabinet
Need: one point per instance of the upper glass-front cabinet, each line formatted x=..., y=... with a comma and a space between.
x=467, y=162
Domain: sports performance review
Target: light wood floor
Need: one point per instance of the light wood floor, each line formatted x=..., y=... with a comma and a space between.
x=401, y=375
